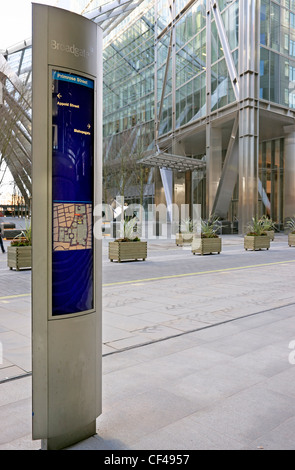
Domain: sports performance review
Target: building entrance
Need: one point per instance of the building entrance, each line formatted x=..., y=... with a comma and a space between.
x=271, y=180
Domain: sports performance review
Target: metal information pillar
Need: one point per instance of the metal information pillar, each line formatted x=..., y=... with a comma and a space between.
x=66, y=274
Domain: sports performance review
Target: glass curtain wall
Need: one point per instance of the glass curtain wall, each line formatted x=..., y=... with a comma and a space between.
x=187, y=63
x=155, y=78
x=277, y=84
x=181, y=68
x=129, y=78
x=277, y=52
x=190, y=69
x=221, y=87
x=156, y=83
x=128, y=127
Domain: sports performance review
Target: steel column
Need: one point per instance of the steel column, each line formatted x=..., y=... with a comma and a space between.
x=289, y=183
x=214, y=164
x=226, y=48
x=249, y=28
x=229, y=175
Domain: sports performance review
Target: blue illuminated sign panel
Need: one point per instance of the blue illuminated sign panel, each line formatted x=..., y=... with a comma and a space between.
x=72, y=193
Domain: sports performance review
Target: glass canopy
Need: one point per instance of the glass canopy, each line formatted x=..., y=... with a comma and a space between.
x=15, y=88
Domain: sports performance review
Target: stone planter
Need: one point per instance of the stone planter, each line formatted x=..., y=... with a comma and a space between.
x=184, y=239
x=256, y=243
x=127, y=251
x=271, y=234
x=19, y=257
x=204, y=246
x=291, y=239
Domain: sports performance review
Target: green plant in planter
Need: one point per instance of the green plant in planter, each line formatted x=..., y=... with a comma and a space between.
x=24, y=238
x=128, y=234
x=209, y=242
x=126, y=248
x=256, y=237
x=187, y=226
x=290, y=225
x=186, y=232
x=19, y=253
x=269, y=226
x=256, y=228
x=267, y=223
x=209, y=228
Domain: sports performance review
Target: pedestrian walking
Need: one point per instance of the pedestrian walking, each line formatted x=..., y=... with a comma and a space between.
x=1, y=240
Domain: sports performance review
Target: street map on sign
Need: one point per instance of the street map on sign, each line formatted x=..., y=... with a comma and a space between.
x=72, y=226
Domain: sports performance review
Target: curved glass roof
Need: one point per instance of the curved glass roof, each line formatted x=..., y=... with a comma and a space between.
x=109, y=14
x=15, y=116
x=15, y=88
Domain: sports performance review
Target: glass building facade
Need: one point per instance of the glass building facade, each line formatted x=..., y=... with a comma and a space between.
x=212, y=81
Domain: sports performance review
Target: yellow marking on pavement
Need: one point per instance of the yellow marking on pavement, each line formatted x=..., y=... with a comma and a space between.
x=7, y=297
x=174, y=276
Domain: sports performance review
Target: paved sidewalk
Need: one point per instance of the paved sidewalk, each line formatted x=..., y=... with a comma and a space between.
x=195, y=361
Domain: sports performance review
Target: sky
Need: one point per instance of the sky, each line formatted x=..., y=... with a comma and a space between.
x=16, y=19
x=15, y=22
x=15, y=27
